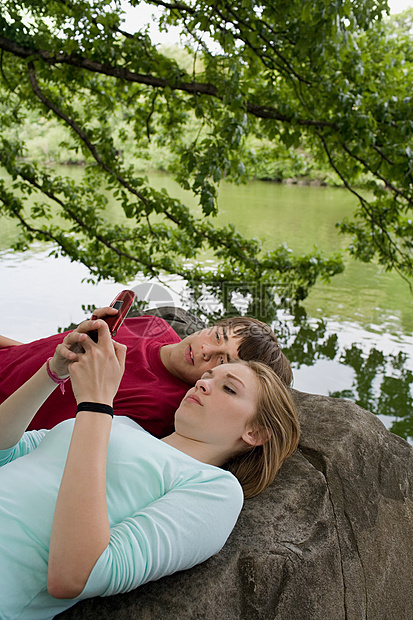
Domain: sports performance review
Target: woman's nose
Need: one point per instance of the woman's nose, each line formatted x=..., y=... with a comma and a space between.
x=203, y=385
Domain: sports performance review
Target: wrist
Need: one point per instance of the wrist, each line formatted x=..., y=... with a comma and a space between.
x=55, y=377
x=96, y=407
x=52, y=367
x=94, y=398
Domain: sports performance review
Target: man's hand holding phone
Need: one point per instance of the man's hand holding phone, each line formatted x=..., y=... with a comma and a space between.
x=121, y=304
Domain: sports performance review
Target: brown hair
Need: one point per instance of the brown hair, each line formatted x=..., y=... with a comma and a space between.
x=259, y=343
x=276, y=419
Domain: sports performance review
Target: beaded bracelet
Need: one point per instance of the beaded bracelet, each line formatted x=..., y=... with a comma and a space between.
x=98, y=407
x=55, y=378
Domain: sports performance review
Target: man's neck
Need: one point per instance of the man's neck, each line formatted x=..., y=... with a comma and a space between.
x=165, y=354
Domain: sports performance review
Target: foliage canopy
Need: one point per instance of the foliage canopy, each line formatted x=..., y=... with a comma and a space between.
x=336, y=76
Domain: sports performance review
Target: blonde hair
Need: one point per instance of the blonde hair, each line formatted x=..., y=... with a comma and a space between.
x=276, y=420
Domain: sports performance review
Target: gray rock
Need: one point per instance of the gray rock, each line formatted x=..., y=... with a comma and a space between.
x=183, y=322
x=330, y=539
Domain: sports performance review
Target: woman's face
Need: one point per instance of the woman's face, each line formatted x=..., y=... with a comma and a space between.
x=219, y=408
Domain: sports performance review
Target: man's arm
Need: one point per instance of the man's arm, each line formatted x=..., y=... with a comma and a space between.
x=97, y=314
x=8, y=342
x=18, y=410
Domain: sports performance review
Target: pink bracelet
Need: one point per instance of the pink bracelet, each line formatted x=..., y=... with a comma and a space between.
x=55, y=378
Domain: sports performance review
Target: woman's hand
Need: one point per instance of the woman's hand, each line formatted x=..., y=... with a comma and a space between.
x=97, y=373
x=71, y=348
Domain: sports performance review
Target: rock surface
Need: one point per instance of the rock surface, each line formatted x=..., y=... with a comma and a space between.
x=330, y=539
x=183, y=322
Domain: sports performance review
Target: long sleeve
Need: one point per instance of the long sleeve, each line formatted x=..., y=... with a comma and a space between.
x=184, y=527
x=27, y=443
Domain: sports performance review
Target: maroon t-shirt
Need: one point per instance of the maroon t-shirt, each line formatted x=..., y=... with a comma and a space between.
x=148, y=393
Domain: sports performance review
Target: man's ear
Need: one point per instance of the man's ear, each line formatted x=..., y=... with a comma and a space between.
x=257, y=436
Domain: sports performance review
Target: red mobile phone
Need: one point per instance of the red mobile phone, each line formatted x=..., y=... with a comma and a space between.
x=122, y=303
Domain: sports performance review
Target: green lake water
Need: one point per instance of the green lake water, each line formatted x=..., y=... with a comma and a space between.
x=355, y=340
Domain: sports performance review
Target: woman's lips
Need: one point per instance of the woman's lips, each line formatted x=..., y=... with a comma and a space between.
x=193, y=398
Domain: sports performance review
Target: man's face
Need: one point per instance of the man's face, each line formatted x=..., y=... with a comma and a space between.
x=201, y=351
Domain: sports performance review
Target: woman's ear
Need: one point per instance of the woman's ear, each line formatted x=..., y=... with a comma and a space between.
x=257, y=436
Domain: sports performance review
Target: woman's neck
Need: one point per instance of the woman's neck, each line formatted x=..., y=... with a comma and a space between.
x=198, y=450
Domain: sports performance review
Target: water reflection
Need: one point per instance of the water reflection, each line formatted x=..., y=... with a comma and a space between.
x=380, y=382
x=383, y=385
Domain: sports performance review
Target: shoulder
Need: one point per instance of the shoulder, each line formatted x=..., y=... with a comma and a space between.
x=227, y=486
x=212, y=485
x=152, y=327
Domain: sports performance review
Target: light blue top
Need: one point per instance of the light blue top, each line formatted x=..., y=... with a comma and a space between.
x=167, y=512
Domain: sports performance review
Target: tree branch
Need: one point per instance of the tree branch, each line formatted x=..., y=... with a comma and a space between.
x=284, y=63
x=193, y=88
x=369, y=214
x=82, y=135
x=376, y=174
x=176, y=5
x=76, y=219
x=98, y=159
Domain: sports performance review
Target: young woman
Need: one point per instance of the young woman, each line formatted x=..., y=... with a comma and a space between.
x=97, y=506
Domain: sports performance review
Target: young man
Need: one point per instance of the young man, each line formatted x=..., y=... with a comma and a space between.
x=159, y=366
